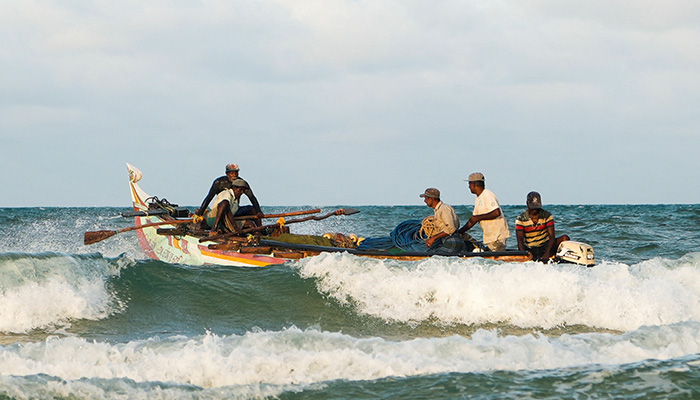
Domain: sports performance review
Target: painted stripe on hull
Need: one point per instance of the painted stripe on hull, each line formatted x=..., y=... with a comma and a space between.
x=253, y=260
x=186, y=249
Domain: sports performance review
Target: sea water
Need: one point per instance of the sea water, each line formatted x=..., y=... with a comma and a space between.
x=103, y=321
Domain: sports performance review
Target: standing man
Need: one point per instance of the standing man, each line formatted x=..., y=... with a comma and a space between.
x=534, y=229
x=446, y=240
x=225, y=182
x=487, y=212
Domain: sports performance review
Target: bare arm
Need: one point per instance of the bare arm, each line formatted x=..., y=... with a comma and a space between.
x=253, y=200
x=520, y=235
x=550, y=242
x=213, y=191
x=429, y=243
x=481, y=217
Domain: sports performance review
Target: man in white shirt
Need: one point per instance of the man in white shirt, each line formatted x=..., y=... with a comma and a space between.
x=224, y=208
x=487, y=212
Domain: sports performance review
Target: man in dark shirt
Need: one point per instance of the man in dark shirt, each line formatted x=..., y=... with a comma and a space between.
x=225, y=182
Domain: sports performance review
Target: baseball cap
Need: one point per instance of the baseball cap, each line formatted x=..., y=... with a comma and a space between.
x=534, y=201
x=475, y=177
x=240, y=183
x=432, y=193
x=231, y=167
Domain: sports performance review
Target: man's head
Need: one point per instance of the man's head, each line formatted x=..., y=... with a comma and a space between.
x=239, y=186
x=431, y=196
x=534, y=201
x=476, y=182
x=232, y=171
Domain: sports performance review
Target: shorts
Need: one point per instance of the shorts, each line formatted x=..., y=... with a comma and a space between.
x=451, y=244
x=245, y=210
x=496, y=245
x=537, y=252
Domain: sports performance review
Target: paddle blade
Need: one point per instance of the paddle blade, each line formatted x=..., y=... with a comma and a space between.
x=350, y=211
x=94, y=237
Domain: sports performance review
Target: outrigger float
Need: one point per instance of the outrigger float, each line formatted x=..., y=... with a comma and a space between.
x=170, y=233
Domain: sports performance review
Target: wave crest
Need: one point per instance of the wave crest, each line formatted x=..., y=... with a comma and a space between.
x=48, y=290
x=529, y=295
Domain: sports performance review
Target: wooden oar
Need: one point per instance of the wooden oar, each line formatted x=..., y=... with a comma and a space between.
x=287, y=214
x=342, y=211
x=97, y=236
x=145, y=213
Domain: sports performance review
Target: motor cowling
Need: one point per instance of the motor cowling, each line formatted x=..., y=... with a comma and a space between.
x=575, y=252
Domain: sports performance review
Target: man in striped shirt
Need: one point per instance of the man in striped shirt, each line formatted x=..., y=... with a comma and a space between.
x=534, y=229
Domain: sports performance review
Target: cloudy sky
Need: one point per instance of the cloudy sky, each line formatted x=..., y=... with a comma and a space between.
x=350, y=102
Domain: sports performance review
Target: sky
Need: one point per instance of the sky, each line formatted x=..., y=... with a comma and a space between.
x=350, y=102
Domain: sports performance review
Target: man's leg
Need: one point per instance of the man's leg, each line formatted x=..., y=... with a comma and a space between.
x=497, y=245
x=248, y=210
x=222, y=209
x=538, y=254
x=452, y=244
x=557, y=242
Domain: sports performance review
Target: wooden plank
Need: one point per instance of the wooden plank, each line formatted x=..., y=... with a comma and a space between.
x=255, y=249
x=292, y=255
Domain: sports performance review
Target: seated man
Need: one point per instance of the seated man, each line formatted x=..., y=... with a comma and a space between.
x=447, y=239
x=225, y=206
x=225, y=182
x=534, y=229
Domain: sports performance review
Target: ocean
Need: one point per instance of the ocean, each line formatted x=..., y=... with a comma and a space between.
x=104, y=322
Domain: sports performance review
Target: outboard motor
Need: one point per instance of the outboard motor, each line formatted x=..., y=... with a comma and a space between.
x=576, y=253
x=157, y=206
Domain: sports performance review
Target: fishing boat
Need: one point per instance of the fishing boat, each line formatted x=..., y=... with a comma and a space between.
x=170, y=233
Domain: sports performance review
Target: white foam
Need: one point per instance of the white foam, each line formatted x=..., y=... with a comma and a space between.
x=301, y=358
x=50, y=290
x=63, y=230
x=477, y=291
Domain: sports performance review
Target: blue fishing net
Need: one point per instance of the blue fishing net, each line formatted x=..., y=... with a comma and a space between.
x=406, y=236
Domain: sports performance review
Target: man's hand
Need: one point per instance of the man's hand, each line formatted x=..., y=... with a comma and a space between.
x=467, y=226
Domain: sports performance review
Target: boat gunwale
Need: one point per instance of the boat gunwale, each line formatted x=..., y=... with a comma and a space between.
x=388, y=254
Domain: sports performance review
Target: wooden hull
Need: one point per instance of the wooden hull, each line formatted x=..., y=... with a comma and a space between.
x=302, y=251
x=186, y=249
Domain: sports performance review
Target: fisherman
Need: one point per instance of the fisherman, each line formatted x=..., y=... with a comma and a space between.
x=225, y=206
x=487, y=212
x=225, y=182
x=446, y=240
x=534, y=229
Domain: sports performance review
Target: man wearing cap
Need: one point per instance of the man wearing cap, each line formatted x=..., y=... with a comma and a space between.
x=534, y=229
x=487, y=212
x=225, y=206
x=447, y=240
x=225, y=182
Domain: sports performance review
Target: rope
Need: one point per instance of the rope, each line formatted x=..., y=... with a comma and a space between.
x=402, y=237
x=406, y=236
x=428, y=228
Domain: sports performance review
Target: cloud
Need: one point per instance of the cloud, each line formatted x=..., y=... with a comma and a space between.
x=31, y=115
x=359, y=92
